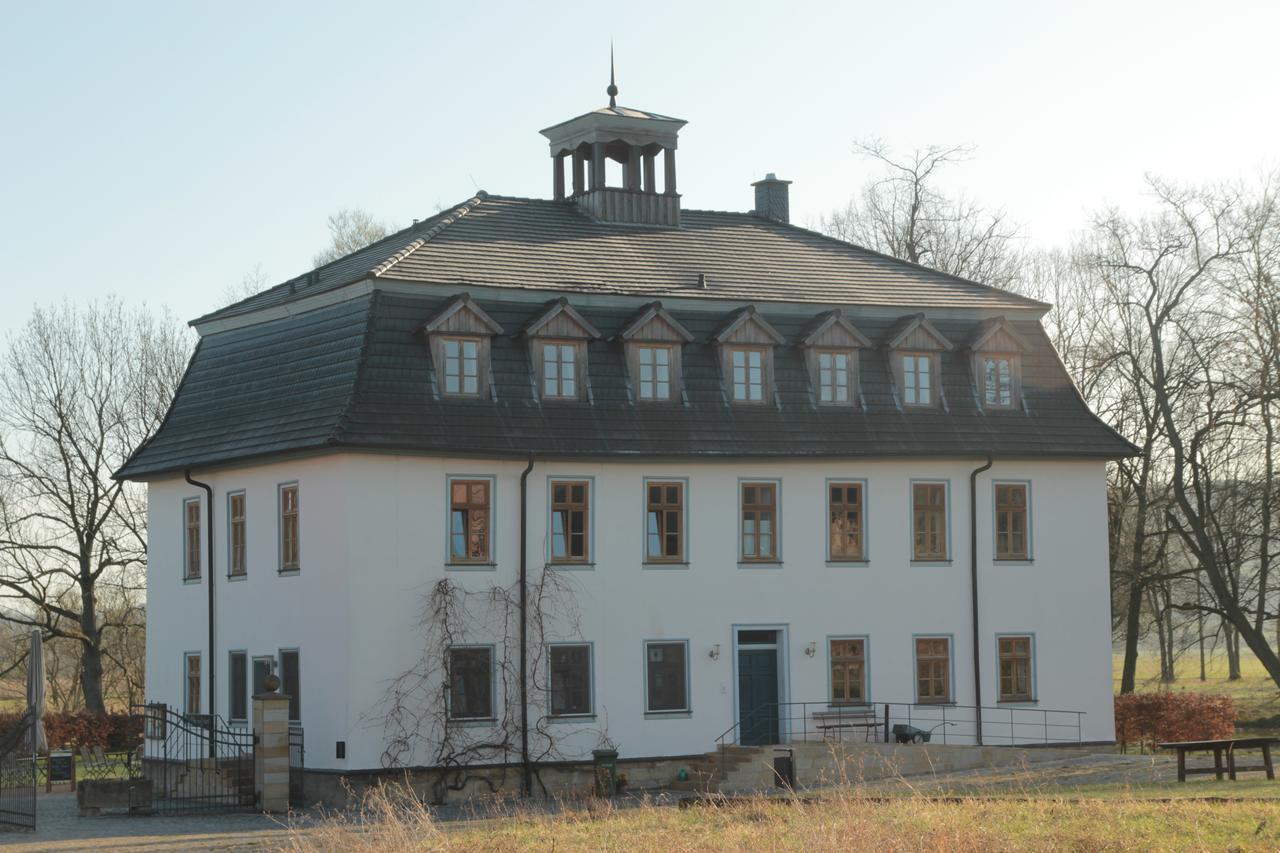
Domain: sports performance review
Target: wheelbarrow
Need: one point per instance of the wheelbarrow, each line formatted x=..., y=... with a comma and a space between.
x=903, y=733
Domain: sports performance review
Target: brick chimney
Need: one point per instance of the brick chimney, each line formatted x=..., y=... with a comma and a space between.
x=771, y=199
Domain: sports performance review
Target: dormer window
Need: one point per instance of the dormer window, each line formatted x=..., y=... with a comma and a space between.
x=831, y=344
x=558, y=340
x=461, y=366
x=746, y=347
x=560, y=370
x=916, y=349
x=997, y=364
x=653, y=341
x=917, y=379
x=459, y=339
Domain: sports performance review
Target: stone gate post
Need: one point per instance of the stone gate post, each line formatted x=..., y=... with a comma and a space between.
x=271, y=755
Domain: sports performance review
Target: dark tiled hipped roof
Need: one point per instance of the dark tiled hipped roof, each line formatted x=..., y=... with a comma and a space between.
x=534, y=244
x=358, y=375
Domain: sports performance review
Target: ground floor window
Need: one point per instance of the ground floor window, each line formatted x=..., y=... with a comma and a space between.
x=238, y=698
x=471, y=683
x=570, y=679
x=290, y=682
x=933, y=670
x=848, y=671
x=191, y=666
x=666, y=676
x=1015, y=669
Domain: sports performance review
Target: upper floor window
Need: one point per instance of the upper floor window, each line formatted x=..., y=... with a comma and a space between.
x=748, y=374
x=559, y=371
x=469, y=527
x=570, y=521
x=290, y=550
x=848, y=671
x=1011, y=521
x=997, y=381
x=654, y=368
x=997, y=363
x=570, y=670
x=461, y=366
x=1015, y=669
x=845, y=511
x=933, y=670
x=664, y=522
x=929, y=521
x=471, y=683
x=834, y=376
x=917, y=379
x=759, y=522
x=191, y=539
x=236, y=545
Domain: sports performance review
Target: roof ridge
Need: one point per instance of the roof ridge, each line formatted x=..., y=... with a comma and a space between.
x=448, y=219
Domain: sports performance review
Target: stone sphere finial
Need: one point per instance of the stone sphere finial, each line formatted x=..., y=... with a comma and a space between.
x=271, y=683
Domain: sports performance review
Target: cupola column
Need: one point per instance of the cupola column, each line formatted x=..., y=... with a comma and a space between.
x=597, y=165
x=557, y=176
x=669, y=171
x=579, y=167
x=649, y=175
x=632, y=181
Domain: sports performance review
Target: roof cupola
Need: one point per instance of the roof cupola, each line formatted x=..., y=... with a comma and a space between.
x=633, y=139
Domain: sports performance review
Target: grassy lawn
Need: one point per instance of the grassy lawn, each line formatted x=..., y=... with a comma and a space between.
x=1256, y=696
x=840, y=820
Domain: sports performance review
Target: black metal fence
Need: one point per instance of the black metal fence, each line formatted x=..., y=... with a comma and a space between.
x=196, y=762
x=297, y=763
x=18, y=776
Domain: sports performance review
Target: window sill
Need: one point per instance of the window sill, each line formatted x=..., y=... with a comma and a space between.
x=931, y=564
x=570, y=718
x=1014, y=561
x=664, y=564
x=950, y=703
x=237, y=578
x=668, y=715
x=1017, y=703
x=471, y=567
x=473, y=722
x=759, y=564
x=288, y=573
x=860, y=709
x=191, y=581
x=839, y=563
x=572, y=567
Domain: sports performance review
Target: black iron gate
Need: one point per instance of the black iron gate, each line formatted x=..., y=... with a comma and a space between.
x=196, y=762
x=297, y=756
x=18, y=775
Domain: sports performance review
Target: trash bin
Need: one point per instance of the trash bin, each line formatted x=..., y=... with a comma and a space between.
x=784, y=768
x=605, y=762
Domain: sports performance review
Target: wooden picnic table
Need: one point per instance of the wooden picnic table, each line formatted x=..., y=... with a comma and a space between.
x=1223, y=746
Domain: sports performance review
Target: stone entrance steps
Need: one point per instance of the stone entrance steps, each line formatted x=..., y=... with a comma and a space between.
x=708, y=773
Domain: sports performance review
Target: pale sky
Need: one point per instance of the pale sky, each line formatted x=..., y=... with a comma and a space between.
x=162, y=151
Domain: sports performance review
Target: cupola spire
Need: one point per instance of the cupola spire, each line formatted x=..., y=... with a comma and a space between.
x=613, y=87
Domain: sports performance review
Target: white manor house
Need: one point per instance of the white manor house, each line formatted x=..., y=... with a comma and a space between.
x=534, y=477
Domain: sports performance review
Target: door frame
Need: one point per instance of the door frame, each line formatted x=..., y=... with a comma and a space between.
x=783, y=649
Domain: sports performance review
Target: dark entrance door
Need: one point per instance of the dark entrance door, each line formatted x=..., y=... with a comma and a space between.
x=758, y=695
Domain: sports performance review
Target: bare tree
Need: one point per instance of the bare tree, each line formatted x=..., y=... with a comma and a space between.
x=254, y=282
x=79, y=390
x=350, y=230
x=906, y=214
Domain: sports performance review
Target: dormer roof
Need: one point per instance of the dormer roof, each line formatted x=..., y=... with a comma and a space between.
x=747, y=326
x=655, y=323
x=831, y=329
x=462, y=315
x=998, y=335
x=559, y=319
x=915, y=332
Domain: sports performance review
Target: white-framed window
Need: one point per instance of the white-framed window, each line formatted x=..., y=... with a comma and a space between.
x=237, y=689
x=747, y=374
x=471, y=677
x=560, y=370
x=290, y=529
x=998, y=380
x=666, y=676
x=917, y=379
x=570, y=677
x=191, y=682
x=654, y=364
x=191, y=539
x=236, y=544
x=835, y=374
x=461, y=366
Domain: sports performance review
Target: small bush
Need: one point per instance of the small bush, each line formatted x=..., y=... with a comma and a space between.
x=66, y=730
x=1145, y=719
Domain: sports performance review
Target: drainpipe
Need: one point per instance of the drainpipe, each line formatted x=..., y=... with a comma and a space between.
x=526, y=770
x=973, y=586
x=208, y=491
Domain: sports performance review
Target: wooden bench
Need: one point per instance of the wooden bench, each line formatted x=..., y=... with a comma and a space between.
x=1219, y=748
x=834, y=722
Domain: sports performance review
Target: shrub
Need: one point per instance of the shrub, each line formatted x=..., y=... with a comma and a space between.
x=1146, y=719
x=68, y=730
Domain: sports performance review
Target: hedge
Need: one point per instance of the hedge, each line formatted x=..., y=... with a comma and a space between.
x=66, y=730
x=1145, y=719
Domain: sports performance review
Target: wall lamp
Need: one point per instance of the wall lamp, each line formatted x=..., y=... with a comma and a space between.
x=811, y=649
x=714, y=654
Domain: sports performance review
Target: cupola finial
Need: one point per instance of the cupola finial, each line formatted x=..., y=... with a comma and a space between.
x=613, y=87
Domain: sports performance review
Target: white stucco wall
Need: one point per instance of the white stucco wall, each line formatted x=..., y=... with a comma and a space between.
x=373, y=543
